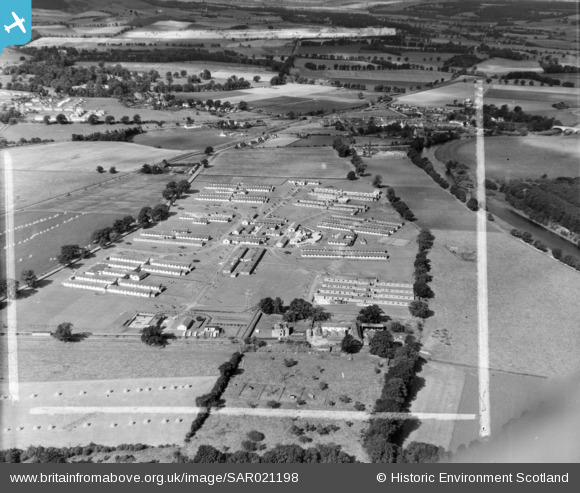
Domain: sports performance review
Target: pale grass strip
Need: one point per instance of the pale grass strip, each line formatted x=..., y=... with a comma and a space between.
x=10, y=273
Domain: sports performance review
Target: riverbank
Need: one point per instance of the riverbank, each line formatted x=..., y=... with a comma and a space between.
x=501, y=210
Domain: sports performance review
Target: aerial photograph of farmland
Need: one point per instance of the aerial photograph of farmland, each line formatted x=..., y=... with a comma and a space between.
x=304, y=231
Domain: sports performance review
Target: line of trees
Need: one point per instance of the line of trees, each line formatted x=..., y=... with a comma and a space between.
x=382, y=437
x=175, y=190
x=527, y=237
x=214, y=397
x=110, y=234
x=401, y=207
x=208, y=454
x=421, y=288
x=118, y=135
x=425, y=164
x=298, y=310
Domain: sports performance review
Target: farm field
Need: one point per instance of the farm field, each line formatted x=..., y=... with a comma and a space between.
x=101, y=367
x=85, y=156
x=185, y=139
x=54, y=131
x=78, y=215
x=289, y=163
x=441, y=95
x=501, y=66
x=284, y=104
x=531, y=99
x=518, y=157
x=386, y=76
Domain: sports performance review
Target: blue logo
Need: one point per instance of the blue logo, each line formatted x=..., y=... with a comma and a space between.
x=15, y=22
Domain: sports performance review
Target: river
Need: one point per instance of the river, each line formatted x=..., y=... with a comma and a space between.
x=497, y=207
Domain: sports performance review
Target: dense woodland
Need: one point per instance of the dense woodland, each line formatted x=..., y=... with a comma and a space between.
x=547, y=201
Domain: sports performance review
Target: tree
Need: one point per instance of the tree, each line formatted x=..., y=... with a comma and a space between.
x=205, y=163
x=299, y=309
x=372, y=314
x=125, y=120
x=61, y=119
x=257, y=78
x=383, y=344
x=109, y=119
x=208, y=150
x=9, y=288
x=472, y=204
x=425, y=239
x=350, y=345
x=319, y=314
x=169, y=194
x=112, y=170
x=29, y=277
x=423, y=453
x=419, y=309
x=100, y=169
x=144, y=217
x=278, y=306
x=46, y=119
x=377, y=181
x=557, y=253
x=68, y=253
x=154, y=336
x=64, y=333
x=267, y=305
x=183, y=186
x=146, y=169
x=137, y=119
x=160, y=212
x=351, y=175
x=206, y=74
x=93, y=119
x=242, y=106
x=422, y=289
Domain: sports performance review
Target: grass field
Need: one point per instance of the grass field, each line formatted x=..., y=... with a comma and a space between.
x=518, y=157
x=183, y=139
x=528, y=290
x=289, y=163
x=284, y=104
x=441, y=95
x=355, y=378
x=502, y=66
x=101, y=367
x=89, y=209
x=85, y=156
x=532, y=98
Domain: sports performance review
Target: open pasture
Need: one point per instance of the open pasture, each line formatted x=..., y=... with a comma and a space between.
x=501, y=66
x=78, y=215
x=441, y=95
x=530, y=99
x=89, y=412
x=184, y=139
x=386, y=76
x=288, y=162
x=285, y=104
x=85, y=156
x=518, y=157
